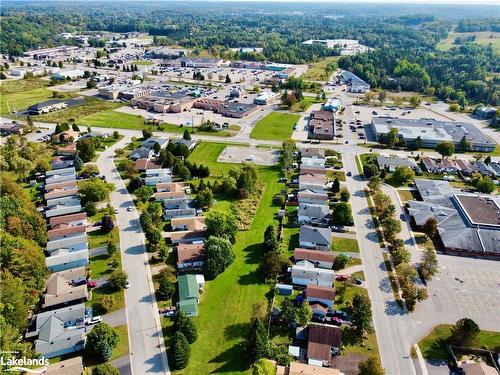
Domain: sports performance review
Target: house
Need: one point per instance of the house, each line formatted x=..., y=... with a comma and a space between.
x=46, y=107
x=68, y=220
x=313, y=212
x=74, y=276
x=60, y=190
x=322, y=294
x=165, y=195
x=155, y=143
x=173, y=213
x=72, y=242
x=307, y=274
x=496, y=168
x=478, y=368
x=313, y=182
x=189, y=294
x=8, y=128
x=189, y=256
x=320, y=259
x=483, y=168
x=68, y=136
x=393, y=162
x=312, y=197
x=304, y=169
x=155, y=176
x=178, y=203
x=58, y=332
x=141, y=153
x=191, y=224
x=63, y=259
x=170, y=186
x=59, y=292
x=65, y=232
x=324, y=341
x=312, y=162
x=63, y=206
x=465, y=167
x=68, y=150
x=60, y=175
x=61, y=162
x=318, y=153
x=189, y=143
x=298, y=368
x=144, y=164
x=315, y=238
x=72, y=366
x=318, y=309
x=439, y=166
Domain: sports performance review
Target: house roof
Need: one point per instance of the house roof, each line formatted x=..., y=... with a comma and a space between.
x=71, y=274
x=60, y=291
x=71, y=148
x=313, y=255
x=47, y=103
x=188, y=287
x=322, y=338
x=143, y=164
x=395, y=161
x=318, y=306
x=319, y=236
x=150, y=142
x=72, y=366
x=312, y=152
x=169, y=194
x=318, y=211
x=63, y=232
x=66, y=314
x=478, y=369
x=193, y=223
x=297, y=368
x=312, y=273
x=312, y=178
x=170, y=186
x=187, y=253
x=67, y=218
x=308, y=169
x=189, y=307
x=323, y=292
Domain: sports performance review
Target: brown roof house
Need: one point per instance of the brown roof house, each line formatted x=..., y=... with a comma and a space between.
x=322, y=294
x=60, y=292
x=189, y=256
x=321, y=259
x=324, y=341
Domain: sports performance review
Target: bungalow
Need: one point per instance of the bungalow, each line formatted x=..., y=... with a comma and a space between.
x=187, y=212
x=189, y=256
x=315, y=153
x=178, y=203
x=74, y=276
x=59, y=332
x=315, y=238
x=297, y=368
x=393, y=162
x=465, y=167
x=144, y=164
x=61, y=162
x=320, y=259
x=152, y=143
x=313, y=182
x=163, y=195
x=68, y=136
x=304, y=169
x=312, y=162
x=60, y=190
x=170, y=186
x=155, y=176
x=59, y=292
x=496, y=168
x=191, y=224
x=63, y=259
x=307, y=274
x=141, y=153
x=313, y=212
x=324, y=341
x=312, y=197
x=189, y=294
x=68, y=206
x=60, y=175
x=484, y=168
x=65, y=232
x=322, y=294
x=189, y=143
x=439, y=166
x=68, y=220
x=68, y=150
x=73, y=242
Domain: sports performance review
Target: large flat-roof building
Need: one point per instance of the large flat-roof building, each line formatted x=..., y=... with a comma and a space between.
x=432, y=132
x=468, y=224
x=355, y=83
x=226, y=108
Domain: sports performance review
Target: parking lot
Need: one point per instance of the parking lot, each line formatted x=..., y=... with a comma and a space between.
x=260, y=156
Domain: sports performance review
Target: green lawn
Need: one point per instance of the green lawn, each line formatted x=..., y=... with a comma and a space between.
x=113, y=119
x=348, y=245
x=317, y=71
x=407, y=195
x=332, y=175
x=122, y=347
x=206, y=153
x=21, y=100
x=99, y=238
x=142, y=62
x=20, y=85
x=226, y=304
x=276, y=126
x=432, y=346
x=90, y=107
x=118, y=295
x=305, y=103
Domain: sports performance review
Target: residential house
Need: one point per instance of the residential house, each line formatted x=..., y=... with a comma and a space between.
x=155, y=176
x=439, y=166
x=496, y=168
x=72, y=242
x=313, y=182
x=484, y=168
x=58, y=332
x=189, y=294
x=72, y=366
x=324, y=341
x=320, y=259
x=465, y=167
x=304, y=273
x=60, y=292
x=153, y=143
x=312, y=197
x=312, y=152
x=61, y=162
x=8, y=128
x=178, y=203
x=63, y=259
x=304, y=169
x=189, y=143
x=322, y=294
x=60, y=175
x=312, y=162
x=72, y=220
x=170, y=186
x=74, y=276
x=69, y=205
x=315, y=238
x=186, y=212
x=65, y=232
x=144, y=164
x=313, y=213
x=67, y=150
x=68, y=136
x=187, y=229
x=189, y=256
x=141, y=153
x=298, y=368
x=164, y=195
x=393, y=162
x=60, y=190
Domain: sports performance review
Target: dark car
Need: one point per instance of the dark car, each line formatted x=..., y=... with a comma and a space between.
x=349, y=174
x=358, y=281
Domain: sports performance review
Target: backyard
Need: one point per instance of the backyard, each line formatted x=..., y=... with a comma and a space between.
x=276, y=126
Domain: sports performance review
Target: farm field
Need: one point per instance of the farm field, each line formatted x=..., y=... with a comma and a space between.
x=483, y=38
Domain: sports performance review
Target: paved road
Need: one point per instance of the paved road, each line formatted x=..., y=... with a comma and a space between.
x=145, y=336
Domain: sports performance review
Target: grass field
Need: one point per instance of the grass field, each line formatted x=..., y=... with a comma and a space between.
x=113, y=119
x=276, y=126
x=207, y=153
x=407, y=195
x=432, y=346
x=348, y=245
x=305, y=103
x=23, y=99
x=90, y=107
x=317, y=71
x=483, y=38
x=20, y=85
x=142, y=62
x=122, y=347
x=226, y=304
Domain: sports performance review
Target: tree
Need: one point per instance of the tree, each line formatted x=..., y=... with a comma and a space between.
x=288, y=312
x=445, y=148
x=103, y=304
x=429, y=263
x=271, y=242
x=400, y=255
x=371, y=366
x=221, y=224
x=187, y=135
x=344, y=195
x=485, y=185
x=183, y=173
x=382, y=95
x=361, y=313
x=336, y=186
x=279, y=199
x=228, y=80
x=118, y=279
x=258, y=342
x=127, y=166
x=95, y=190
x=184, y=324
x=341, y=261
x=342, y=214
x=272, y=265
x=465, y=332
x=418, y=142
x=403, y=175
x=304, y=313
x=382, y=204
x=78, y=163
x=391, y=138
x=105, y=369
x=415, y=101
x=166, y=289
x=464, y=144
x=218, y=254
x=111, y=247
x=90, y=208
x=204, y=198
x=135, y=183
x=144, y=193
x=101, y=342
x=430, y=228
x=390, y=227
x=107, y=224
x=86, y=149
x=146, y=133
x=263, y=367
x=454, y=107
x=179, y=351
x=370, y=170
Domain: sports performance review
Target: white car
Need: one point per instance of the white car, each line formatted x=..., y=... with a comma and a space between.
x=130, y=208
x=127, y=284
x=93, y=320
x=116, y=210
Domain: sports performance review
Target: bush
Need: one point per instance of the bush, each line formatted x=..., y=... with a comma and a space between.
x=118, y=279
x=340, y=262
x=279, y=200
x=105, y=369
x=91, y=208
x=103, y=304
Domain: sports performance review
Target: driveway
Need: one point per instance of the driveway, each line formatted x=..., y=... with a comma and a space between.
x=147, y=349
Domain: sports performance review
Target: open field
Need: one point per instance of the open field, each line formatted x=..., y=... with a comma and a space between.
x=23, y=99
x=276, y=126
x=122, y=347
x=432, y=346
x=317, y=71
x=113, y=119
x=483, y=38
x=349, y=245
x=207, y=153
x=90, y=107
x=142, y=63
x=305, y=103
x=20, y=85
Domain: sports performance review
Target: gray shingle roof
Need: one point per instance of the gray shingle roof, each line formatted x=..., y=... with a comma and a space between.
x=321, y=236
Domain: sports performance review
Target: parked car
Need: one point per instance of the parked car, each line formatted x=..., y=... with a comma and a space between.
x=358, y=281
x=339, y=228
x=130, y=208
x=116, y=210
x=93, y=320
x=127, y=284
x=91, y=284
x=349, y=173
x=342, y=277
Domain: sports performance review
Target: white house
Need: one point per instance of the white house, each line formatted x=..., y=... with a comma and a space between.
x=307, y=274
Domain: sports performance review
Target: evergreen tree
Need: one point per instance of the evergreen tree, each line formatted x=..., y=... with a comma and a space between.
x=258, y=342
x=186, y=325
x=179, y=351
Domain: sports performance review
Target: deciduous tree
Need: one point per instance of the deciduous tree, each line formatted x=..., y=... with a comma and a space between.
x=101, y=342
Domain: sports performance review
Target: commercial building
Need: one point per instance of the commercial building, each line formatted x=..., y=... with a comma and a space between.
x=356, y=84
x=259, y=65
x=202, y=62
x=485, y=112
x=322, y=125
x=432, y=132
x=267, y=98
x=68, y=74
x=164, y=53
x=226, y=108
x=46, y=107
x=166, y=101
x=468, y=224
x=333, y=104
x=114, y=91
x=49, y=53
x=346, y=46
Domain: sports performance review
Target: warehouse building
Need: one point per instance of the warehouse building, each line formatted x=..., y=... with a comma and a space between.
x=355, y=83
x=267, y=98
x=432, y=132
x=226, y=108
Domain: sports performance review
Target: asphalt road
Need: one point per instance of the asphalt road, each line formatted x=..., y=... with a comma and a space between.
x=147, y=350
